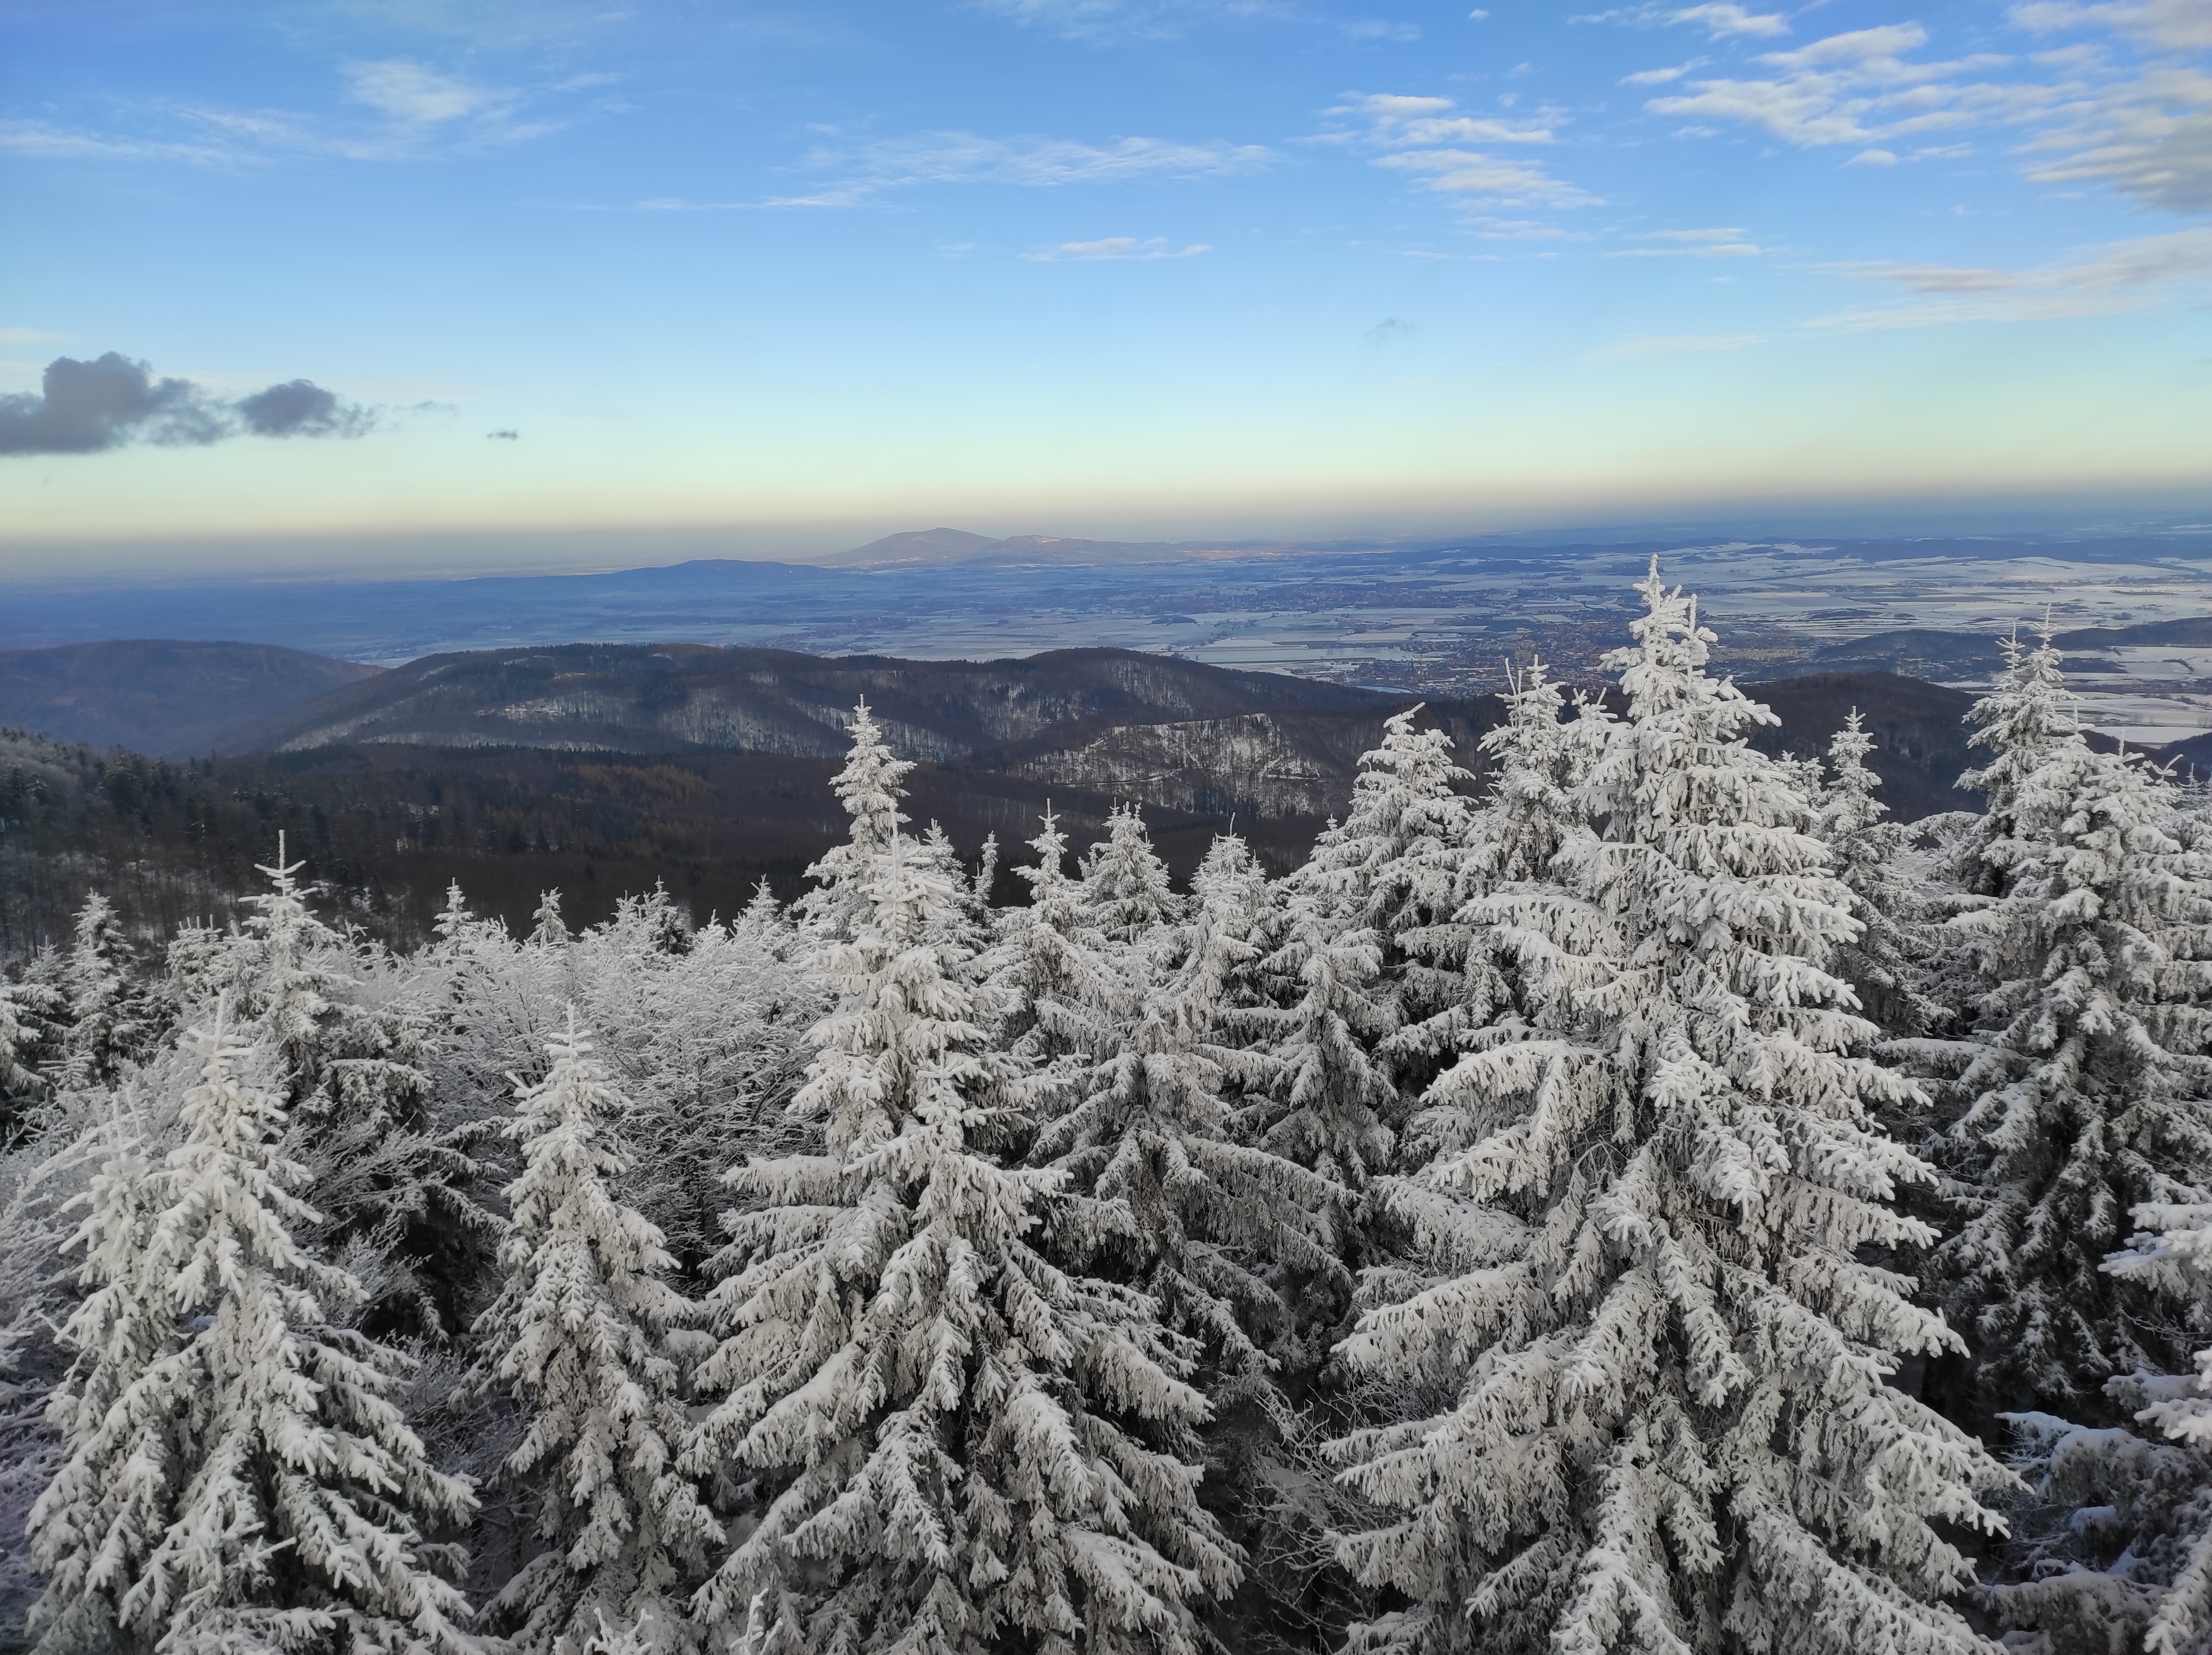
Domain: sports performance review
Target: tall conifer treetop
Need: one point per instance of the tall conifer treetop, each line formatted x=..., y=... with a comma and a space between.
x=963, y=1447
x=1661, y=1360
x=251, y=1480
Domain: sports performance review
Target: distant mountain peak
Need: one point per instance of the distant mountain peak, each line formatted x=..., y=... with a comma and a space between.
x=914, y=546
x=928, y=546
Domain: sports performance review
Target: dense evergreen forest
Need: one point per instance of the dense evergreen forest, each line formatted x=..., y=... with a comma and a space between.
x=1620, y=1191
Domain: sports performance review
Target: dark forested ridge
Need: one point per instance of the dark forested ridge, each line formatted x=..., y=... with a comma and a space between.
x=386, y=824
x=158, y=695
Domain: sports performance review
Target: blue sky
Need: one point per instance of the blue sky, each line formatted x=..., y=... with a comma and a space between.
x=779, y=276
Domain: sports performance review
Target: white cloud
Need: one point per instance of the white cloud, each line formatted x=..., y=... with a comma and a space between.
x=2149, y=138
x=870, y=169
x=1663, y=76
x=39, y=141
x=408, y=92
x=1727, y=20
x=1872, y=158
x=1426, y=136
x=2183, y=25
x=2149, y=273
x=1860, y=87
x=1693, y=244
x=1504, y=179
x=1722, y=21
x=1519, y=229
x=1117, y=248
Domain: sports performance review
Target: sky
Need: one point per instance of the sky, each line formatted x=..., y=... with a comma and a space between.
x=482, y=283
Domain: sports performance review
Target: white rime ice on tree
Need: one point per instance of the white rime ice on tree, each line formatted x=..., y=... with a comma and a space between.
x=1659, y=1358
x=386, y=1190
x=2083, y=1094
x=960, y=1446
x=869, y=787
x=1053, y=961
x=548, y=930
x=105, y=1025
x=238, y=1473
x=1863, y=851
x=1392, y=866
x=578, y=1336
x=1125, y=884
x=2173, y=1253
x=1151, y=1133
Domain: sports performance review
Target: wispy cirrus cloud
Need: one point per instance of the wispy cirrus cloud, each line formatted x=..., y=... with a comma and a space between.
x=1107, y=21
x=2183, y=25
x=1693, y=244
x=1114, y=247
x=2143, y=130
x=1720, y=21
x=410, y=111
x=2146, y=273
x=865, y=171
x=1859, y=88
x=1426, y=137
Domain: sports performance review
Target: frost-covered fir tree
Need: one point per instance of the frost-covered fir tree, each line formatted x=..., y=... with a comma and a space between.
x=108, y=1026
x=548, y=930
x=1882, y=964
x=1125, y=883
x=2080, y=1092
x=1660, y=1353
x=1536, y=763
x=2171, y=1254
x=1329, y=1096
x=238, y=1473
x=1393, y=865
x=871, y=789
x=961, y=1447
x=1052, y=961
x=579, y=1338
x=1210, y=1219
x=388, y=1188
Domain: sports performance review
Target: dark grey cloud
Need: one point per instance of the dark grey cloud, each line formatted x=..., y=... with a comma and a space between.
x=505, y=436
x=85, y=408
x=300, y=408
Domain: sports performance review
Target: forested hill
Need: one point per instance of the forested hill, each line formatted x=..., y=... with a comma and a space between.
x=386, y=824
x=161, y=696
x=654, y=698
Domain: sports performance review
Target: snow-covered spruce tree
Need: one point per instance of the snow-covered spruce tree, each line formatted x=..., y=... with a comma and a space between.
x=1662, y=1363
x=578, y=1337
x=2171, y=1505
x=108, y=1026
x=1125, y=883
x=1536, y=764
x=388, y=1189
x=960, y=1446
x=548, y=930
x=21, y=1085
x=871, y=789
x=1328, y=1096
x=239, y=1475
x=1211, y=1220
x=2080, y=1092
x=1394, y=865
x=1882, y=964
x=1051, y=962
